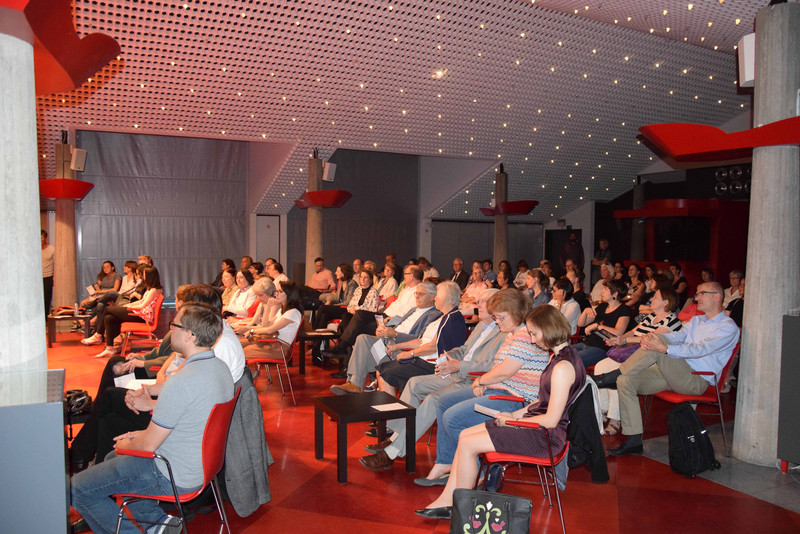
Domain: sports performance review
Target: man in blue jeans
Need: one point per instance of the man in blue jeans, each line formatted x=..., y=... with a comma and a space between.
x=175, y=431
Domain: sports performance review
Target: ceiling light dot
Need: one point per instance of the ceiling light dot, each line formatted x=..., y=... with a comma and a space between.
x=180, y=129
x=690, y=6
x=737, y=21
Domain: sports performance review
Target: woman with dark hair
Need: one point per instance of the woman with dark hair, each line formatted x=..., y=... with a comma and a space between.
x=563, y=302
x=609, y=319
x=243, y=298
x=227, y=263
x=256, y=269
x=635, y=286
x=505, y=267
x=284, y=328
x=560, y=383
x=115, y=298
x=537, y=283
x=228, y=286
x=679, y=283
x=522, y=274
x=141, y=311
x=345, y=286
x=620, y=273
x=108, y=279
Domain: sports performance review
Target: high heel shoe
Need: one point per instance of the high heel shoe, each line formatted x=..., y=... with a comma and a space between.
x=445, y=512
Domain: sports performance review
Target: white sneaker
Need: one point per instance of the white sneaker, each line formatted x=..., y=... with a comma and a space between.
x=94, y=339
x=172, y=524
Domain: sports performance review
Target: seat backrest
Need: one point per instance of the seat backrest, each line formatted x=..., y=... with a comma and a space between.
x=157, y=309
x=215, y=437
x=723, y=375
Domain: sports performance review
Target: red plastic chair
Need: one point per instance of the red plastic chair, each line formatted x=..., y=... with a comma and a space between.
x=141, y=329
x=286, y=358
x=545, y=465
x=215, y=439
x=710, y=396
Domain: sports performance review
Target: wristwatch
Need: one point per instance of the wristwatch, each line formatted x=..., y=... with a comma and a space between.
x=412, y=353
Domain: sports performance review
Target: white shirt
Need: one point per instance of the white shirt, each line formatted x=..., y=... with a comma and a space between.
x=288, y=332
x=48, y=253
x=430, y=273
x=405, y=301
x=486, y=332
x=241, y=302
x=729, y=296
x=280, y=278
x=594, y=296
x=406, y=326
x=430, y=331
x=229, y=349
x=571, y=311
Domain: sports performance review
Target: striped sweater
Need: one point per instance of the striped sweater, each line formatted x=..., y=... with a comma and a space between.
x=525, y=383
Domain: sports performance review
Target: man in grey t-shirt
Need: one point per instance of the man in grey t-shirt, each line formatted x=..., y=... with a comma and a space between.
x=175, y=430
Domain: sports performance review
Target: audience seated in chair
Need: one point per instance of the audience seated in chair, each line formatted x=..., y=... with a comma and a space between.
x=423, y=392
x=610, y=318
x=414, y=324
x=175, y=431
x=243, y=297
x=284, y=328
x=667, y=362
x=516, y=370
x=561, y=380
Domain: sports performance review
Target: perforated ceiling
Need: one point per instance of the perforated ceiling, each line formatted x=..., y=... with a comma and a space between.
x=554, y=89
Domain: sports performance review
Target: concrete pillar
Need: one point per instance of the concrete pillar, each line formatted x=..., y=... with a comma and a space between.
x=22, y=307
x=314, y=218
x=65, y=289
x=500, y=221
x=637, y=225
x=773, y=245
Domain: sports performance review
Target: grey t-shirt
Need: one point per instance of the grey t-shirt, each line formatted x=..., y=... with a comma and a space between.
x=184, y=404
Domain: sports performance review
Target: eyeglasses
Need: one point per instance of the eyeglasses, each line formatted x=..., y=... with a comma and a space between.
x=699, y=293
x=176, y=325
x=406, y=274
x=499, y=318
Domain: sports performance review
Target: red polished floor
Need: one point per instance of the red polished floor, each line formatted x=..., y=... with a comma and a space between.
x=643, y=495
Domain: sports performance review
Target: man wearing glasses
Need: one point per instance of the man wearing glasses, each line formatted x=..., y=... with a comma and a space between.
x=412, y=325
x=666, y=362
x=175, y=430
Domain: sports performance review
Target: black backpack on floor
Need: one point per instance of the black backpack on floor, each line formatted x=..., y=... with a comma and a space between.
x=690, y=448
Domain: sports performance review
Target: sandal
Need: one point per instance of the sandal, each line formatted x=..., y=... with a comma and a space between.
x=613, y=428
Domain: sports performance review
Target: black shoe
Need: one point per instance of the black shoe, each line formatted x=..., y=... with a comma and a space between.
x=79, y=525
x=372, y=432
x=607, y=380
x=445, y=512
x=625, y=449
x=339, y=374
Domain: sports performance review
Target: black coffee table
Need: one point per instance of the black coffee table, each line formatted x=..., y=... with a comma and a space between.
x=358, y=408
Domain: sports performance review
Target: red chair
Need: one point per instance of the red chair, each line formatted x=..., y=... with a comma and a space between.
x=286, y=358
x=710, y=396
x=141, y=329
x=215, y=439
x=545, y=465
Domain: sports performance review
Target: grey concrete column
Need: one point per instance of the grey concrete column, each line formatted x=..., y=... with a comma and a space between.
x=637, y=225
x=65, y=276
x=500, y=221
x=314, y=218
x=773, y=246
x=22, y=307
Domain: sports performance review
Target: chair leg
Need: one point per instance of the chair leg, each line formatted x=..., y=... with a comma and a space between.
x=125, y=338
x=289, y=380
x=278, y=372
x=558, y=500
x=220, y=505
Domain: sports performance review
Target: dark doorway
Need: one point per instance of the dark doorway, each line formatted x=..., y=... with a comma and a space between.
x=554, y=241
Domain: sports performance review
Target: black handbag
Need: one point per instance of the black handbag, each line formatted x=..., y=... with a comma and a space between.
x=484, y=512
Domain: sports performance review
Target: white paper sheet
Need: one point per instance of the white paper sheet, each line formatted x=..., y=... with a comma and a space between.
x=392, y=406
x=130, y=381
x=378, y=351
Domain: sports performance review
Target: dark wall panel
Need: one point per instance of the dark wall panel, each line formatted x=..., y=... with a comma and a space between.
x=381, y=216
x=179, y=199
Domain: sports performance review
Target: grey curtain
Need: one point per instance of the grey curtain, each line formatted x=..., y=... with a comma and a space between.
x=181, y=200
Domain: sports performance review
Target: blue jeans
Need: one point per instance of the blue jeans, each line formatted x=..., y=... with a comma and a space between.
x=456, y=412
x=590, y=355
x=91, y=490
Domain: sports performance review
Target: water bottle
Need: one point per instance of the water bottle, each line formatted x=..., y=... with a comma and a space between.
x=75, y=310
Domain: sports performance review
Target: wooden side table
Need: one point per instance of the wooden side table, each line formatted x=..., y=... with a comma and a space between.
x=358, y=408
